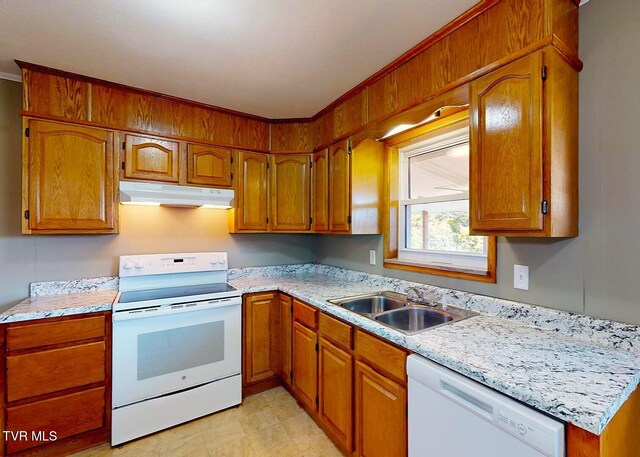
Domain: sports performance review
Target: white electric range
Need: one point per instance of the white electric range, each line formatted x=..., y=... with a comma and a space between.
x=176, y=342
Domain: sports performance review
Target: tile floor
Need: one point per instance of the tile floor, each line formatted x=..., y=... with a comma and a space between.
x=267, y=424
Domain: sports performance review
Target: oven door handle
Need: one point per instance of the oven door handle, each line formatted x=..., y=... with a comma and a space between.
x=171, y=310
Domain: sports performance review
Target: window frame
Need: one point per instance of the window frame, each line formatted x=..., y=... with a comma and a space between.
x=395, y=254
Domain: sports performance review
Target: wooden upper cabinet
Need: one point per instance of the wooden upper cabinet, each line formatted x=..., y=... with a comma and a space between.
x=506, y=157
x=340, y=187
x=208, y=165
x=251, y=192
x=151, y=158
x=320, y=191
x=71, y=178
x=260, y=337
x=290, y=189
x=523, y=142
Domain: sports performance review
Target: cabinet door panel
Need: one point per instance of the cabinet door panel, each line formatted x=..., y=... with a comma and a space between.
x=305, y=365
x=38, y=373
x=336, y=387
x=339, y=187
x=286, y=327
x=290, y=187
x=506, y=148
x=381, y=414
x=151, y=158
x=260, y=327
x=208, y=165
x=320, y=191
x=67, y=415
x=72, y=183
x=252, y=193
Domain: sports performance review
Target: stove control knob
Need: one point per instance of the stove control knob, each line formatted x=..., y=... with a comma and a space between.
x=139, y=265
x=221, y=259
x=212, y=260
x=127, y=265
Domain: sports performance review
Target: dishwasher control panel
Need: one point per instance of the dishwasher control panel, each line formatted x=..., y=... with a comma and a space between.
x=526, y=429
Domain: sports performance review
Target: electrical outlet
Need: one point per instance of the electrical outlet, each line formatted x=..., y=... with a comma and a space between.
x=372, y=256
x=521, y=277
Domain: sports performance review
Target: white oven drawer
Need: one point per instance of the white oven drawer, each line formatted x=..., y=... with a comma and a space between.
x=169, y=352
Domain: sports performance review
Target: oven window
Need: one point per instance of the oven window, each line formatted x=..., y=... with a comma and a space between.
x=179, y=349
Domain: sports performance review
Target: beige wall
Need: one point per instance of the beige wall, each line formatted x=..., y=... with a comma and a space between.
x=24, y=259
x=596, y=273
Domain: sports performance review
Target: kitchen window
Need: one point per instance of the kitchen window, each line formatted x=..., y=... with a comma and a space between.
x=433, y=206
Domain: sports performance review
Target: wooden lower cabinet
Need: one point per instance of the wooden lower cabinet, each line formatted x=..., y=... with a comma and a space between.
x=305, y=365
x=381, y=414
x=57, y=385
x=285, y=305
x=335, y=381
x=260, y=321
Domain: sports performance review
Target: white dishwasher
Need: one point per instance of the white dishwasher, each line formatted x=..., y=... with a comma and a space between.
x=452, y=416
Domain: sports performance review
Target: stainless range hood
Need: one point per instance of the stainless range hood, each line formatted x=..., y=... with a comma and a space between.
x=146, y=193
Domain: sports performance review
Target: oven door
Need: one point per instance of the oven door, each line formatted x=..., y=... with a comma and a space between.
x=171, y=348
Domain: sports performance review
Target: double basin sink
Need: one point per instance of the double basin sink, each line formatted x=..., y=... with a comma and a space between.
x=394, y=310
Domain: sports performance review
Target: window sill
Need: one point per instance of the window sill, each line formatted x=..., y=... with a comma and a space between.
x=450, y=271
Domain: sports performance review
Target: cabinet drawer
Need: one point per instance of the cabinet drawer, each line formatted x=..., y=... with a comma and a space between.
x=67, y=416
x=382, y=355
x=35, y=335
x=337, y=331
x=44, y=372
x=305, y=314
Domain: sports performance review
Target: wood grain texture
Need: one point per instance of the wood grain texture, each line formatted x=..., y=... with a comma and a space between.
x=320, y=191
x=67, y=415
x=305, y=314
x=350, y=115
x=621, y=438
x=367, y=163
x=55, y=95
x=151, y=158
x=506, y=150
x=29, y=375
x=290, y=196
x=26, y=336
x=252, y=192
x=285, y=306
x=71, y=178
x=292, y=137
x=382, y=355
x=335, y=392
x=208, y=165
x=338, y=332
x=381, y=414
x=305, y=365
x=260, y=337
x=340, y=187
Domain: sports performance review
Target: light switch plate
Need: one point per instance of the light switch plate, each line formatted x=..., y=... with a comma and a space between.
x=372, y=256
x=521, y=277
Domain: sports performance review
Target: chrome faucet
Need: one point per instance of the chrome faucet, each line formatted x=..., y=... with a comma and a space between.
x=418, y=297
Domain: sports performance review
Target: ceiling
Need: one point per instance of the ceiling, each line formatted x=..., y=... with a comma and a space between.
x=275, y=58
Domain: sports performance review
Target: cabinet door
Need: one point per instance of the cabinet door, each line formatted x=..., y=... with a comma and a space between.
x=305, y=365
x=252, y=191
x=381, y=414
x=290, y=188
x=335, y=380
x=339, y=187
x=506, y=148
x=208, y=165
x=286, y=324
x=320, y=191
x=72, y=178
x=151, y=158
x=260, y=333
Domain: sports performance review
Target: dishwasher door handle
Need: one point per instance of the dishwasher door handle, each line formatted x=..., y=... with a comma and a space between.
x=466, y=400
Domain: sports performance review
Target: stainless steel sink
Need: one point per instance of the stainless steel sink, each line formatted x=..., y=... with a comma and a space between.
x=394, y=310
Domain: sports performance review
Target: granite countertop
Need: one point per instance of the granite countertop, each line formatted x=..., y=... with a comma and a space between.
x=44, y=306
x=576, y=368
